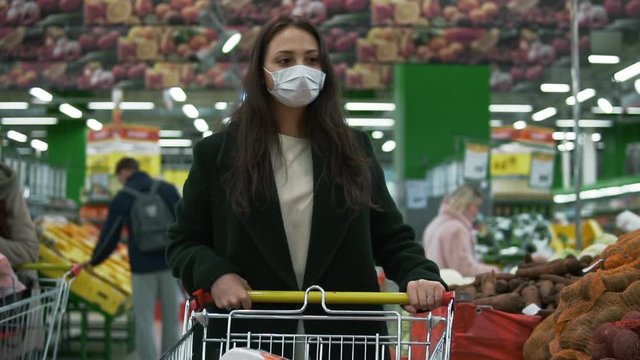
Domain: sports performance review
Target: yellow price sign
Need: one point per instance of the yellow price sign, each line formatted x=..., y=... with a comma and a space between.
x=510, y=164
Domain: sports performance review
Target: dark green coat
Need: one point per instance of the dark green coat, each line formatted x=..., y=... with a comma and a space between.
x=209, y=239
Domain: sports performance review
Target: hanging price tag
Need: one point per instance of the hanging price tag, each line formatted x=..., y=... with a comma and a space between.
x=541, y=171
x=476, y=161
x=510, y=164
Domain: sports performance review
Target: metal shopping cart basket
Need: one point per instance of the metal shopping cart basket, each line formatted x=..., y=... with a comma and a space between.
x=318, y=346
x=29, y=326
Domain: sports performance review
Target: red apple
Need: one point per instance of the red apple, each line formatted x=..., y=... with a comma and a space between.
x=562, y=46
x=127, y=50
x=354, y=79
x=94, y=11
x=468, y=5
x=161, y=10
x=153, y=80
x=366, y=51
x=490, y=9
x=356, y=5
x=382, y=13
x=424, y=53
x=143, y=7
x=614, y=7
x=107, y=41
x=431, y=8
x=190, y=14
x=344, y=43
x=87, y=42
x=69, y=5
x=517, y=73
x=632, y=8
x=47, y=6
x=334, y=6
x=137, y=71
x=119, y=71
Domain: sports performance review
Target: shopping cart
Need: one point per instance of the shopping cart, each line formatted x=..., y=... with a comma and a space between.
x=29, y=326
x=318, y=346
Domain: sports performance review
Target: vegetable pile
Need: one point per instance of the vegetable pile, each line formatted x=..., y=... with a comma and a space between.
x=618, y=340
x=533, y=283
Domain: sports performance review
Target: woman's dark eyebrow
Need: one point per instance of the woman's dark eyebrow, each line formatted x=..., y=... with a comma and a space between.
x=289, y=52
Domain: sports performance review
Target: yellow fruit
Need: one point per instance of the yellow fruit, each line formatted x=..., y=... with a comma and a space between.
x=118, y=11
x=146, y=50
x=406, y=13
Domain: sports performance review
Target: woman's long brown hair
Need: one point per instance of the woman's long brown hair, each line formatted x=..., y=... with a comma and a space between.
x=253, y=128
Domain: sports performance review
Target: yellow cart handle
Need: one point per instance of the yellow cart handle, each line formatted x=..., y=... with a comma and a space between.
x=315, y=297
x=74, y=269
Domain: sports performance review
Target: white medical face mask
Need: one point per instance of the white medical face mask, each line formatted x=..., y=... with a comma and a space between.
x=297, y=86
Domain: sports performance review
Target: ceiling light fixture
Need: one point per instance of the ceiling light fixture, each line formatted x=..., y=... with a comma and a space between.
x=170, y=133
x=140, y=105
x=604, y=59
x=595, y=137
x=39, y=145
x=177, y=94
x=369, y=106
x=18, y=121
x=614, y=110
x=519, y=125
x=14, y=105
x=94, y=124
x=190, y=110
x=371, y=122
x=231, y=42
x=544, y=114
x=70, y=111
x=636, y=84
x=389, y=146
x=605, y=105
x=16, y=136
x=583, y=96
x=221, y=105
x=174, y=143
x=627, y=73
x=584, y=123
x=558, y=135
x=511, y=108
x=555, y=88
x=200, y=125
x=633, y=110
x=377, y=134
x=207, y=133
x=41, y=94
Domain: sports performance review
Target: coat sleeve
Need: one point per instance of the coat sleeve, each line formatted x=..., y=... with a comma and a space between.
x=111, y=229
x=190, y=253
x=393, y=241
x=458, y=251
x=22, y=244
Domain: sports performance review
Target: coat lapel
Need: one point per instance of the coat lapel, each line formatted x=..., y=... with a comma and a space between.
x=328, y=223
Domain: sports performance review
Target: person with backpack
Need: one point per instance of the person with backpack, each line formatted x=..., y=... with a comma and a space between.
x=146, y=206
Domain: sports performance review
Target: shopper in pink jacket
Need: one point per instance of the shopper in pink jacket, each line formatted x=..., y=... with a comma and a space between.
x=449, y=240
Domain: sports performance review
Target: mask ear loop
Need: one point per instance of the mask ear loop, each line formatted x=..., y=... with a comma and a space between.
x=272, y=77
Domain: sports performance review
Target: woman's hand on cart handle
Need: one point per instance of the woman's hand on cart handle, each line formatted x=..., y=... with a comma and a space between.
x=425, y=295
x=230, y=292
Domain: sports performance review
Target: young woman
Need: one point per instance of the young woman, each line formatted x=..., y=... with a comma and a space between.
x=289, y=196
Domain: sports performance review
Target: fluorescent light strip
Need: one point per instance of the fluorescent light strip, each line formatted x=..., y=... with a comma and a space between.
x=369, y=106
x=125, y=105
x=377, y=134
x=558, y=135
x=555, y=88
x=516, y=108
x=604, y=59
x=39, y=145
x=200, y=125
x=614, y=110
x=544, y=114
x=595, y=137
x=231, y=43
x=94, y=124
x=29, y=121
x=14, y=105
x=41, y=94
x=583, y=96
x=389, y=146
x=70, y=111
x=170, y=133
x=190, y=111
x=141, y=105
x=207, y=133
x=177, y=94
x=627, y=73
x=373, y=122
x=519, y=125
x=221, y=105
x=174, y=142
x=605, y=105
x=636, y=85
x=633, y=110
x=16, y=136
x=584, y=123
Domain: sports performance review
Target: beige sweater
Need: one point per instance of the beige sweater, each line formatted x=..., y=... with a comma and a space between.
x=21, y=245
x=449, y=241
